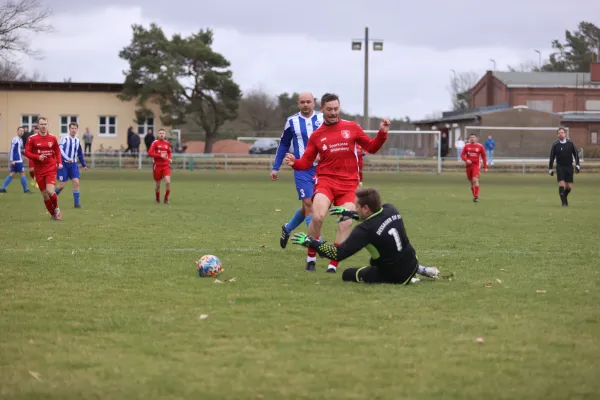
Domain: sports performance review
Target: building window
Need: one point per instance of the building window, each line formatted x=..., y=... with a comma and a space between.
x=28, y=121
x=540, y=105
x=144, y=125
x=592, y=105
x=594, y=137
x=107, y=125
x=65, y=120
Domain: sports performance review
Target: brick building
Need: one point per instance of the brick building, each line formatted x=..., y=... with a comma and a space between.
x=530, y=99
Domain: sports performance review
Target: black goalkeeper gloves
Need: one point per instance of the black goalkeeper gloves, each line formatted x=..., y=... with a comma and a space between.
x=577, y=168
x=344, y=214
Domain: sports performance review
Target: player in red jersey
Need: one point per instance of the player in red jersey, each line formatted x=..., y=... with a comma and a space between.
x=473, y=153
x=160, y=150
x=361, y=163
x=44, y=151
x=337, y=173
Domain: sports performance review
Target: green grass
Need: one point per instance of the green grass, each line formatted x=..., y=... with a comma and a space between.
x=105, y=304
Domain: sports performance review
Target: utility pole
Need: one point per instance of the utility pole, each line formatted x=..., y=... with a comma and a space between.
x=377, y=46
x=540, y=59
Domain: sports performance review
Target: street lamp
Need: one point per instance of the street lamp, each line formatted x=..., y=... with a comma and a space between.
x=540, y=59
x=494, y=61
x=357, y=46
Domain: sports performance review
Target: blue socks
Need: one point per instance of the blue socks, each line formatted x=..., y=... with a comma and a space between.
x=295, y=221
x=57, y=191
x=7, y=182
x=76, y=197
x=307, y=220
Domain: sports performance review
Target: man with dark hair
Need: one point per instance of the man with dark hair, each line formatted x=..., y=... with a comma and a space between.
x=337, y=174
x=382, y=232
x=563, y=151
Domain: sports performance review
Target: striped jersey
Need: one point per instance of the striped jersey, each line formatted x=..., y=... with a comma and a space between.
x=16, y=150
x=70, y=149
x=297, y=131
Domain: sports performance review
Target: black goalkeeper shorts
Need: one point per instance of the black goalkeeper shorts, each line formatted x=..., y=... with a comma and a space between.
x=372, y=274
x=564, y=173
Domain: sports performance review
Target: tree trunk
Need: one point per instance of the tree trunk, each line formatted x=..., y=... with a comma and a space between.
x=211, y=138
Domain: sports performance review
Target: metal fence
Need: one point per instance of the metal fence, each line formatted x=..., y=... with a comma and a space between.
x=372, y=163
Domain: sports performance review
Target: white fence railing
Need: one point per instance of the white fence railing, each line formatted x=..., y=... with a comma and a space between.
x=372, y=162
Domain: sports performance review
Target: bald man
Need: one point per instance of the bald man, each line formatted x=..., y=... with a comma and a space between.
x=298, y=128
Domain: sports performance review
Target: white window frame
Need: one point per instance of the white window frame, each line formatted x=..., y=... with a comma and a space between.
x=145, y=126
x=592, y=105
x=69, y=120
x=594, y=137
x=107, y=125
x=30, y=122
x=540, y=105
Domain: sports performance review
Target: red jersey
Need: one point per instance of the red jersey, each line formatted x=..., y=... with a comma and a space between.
x=359, y=150
x=335, y=145
x=474, y=152
x=157, y=149
x=46, y=145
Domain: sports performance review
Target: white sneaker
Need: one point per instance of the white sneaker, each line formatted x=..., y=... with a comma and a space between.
x=431, y=272
x=414, y=280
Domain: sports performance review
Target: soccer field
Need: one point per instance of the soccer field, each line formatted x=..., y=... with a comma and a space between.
x=106, y=303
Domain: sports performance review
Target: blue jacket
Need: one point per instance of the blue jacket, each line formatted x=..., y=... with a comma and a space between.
x=490, y=144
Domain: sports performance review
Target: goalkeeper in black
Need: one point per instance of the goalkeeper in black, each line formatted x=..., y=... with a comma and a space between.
x=382, y=232
x=563, y=151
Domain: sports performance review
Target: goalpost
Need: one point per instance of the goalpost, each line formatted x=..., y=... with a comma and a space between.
x=413, y=150
x=518, y=143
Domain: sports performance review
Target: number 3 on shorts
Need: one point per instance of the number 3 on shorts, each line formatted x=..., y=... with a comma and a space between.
x=396, y=235
x=302, y=193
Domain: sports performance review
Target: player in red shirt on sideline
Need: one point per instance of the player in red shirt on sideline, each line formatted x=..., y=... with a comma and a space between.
x=337, y=173
x=360, y=152
x=44, y=151
x=473, y=153
x=160, y=150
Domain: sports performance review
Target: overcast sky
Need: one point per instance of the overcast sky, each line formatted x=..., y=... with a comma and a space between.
x=287, y=46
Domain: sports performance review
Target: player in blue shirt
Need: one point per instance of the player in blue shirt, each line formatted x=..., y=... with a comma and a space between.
x=298, y=129
x=70, y=149
x=16, y=161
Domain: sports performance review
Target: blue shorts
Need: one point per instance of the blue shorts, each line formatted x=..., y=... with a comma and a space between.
x=18, y=167
x=305, y=183
x=68, y=171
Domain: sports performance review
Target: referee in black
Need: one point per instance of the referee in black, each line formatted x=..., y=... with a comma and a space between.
x=564, y=150
x=382, y=232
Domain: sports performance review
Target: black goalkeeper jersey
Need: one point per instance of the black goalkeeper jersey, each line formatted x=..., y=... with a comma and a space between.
x=384, y=236
x=563, y=153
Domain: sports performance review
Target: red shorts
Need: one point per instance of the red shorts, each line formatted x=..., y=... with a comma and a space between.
x=160, y=171
x=30, y=164
x=338, y=195
x=472, y=171
x=46, y=179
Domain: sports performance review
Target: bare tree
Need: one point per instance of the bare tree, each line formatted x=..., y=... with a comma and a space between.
x=10, y=71
x=18, y=19
x=527, y=66
x=258, y=110
x=459, y=87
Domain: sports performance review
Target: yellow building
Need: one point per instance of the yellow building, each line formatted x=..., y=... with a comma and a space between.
x=92, y=105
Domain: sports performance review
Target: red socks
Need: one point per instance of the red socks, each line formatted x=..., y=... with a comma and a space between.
x=49, y=206
x=312, y=253
x=167, y=193
x=333, y=262
x=158, y=195
x=54, y=199
x=476, y=191
x=31, y=174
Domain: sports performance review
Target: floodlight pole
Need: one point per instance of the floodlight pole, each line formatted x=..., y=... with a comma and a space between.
x=377, y=46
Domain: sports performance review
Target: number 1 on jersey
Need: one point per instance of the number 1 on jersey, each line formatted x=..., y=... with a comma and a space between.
x=396, y=235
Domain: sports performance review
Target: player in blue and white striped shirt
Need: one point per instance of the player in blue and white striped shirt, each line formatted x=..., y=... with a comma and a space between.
x=298, y=129
x=70, y=150
x=16, y=161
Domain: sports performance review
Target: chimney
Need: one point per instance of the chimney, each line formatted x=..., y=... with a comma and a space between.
x=595, y=72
